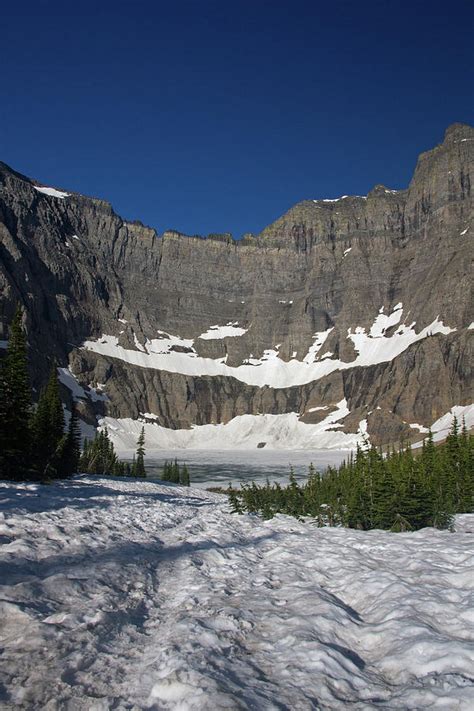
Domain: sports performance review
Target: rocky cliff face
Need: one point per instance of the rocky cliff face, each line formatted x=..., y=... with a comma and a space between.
x=365, y=300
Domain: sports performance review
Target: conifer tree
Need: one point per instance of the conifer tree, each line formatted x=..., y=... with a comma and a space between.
x=358, y=496
x=175, y=472
x=69, y=463
x=293, y=503
x=140, y=461
x=466, y=473
x=48, y=429
x=98, y=456
x=383, y=492
x=15, y=405
x=184, y=476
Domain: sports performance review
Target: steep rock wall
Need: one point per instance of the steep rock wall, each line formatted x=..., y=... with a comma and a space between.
x=370, y=263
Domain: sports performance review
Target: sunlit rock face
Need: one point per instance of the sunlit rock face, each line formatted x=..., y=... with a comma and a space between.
x=362, y=299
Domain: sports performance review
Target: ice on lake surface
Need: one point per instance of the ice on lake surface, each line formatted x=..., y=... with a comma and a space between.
x=220, y=468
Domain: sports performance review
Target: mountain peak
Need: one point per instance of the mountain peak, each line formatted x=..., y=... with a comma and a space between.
x=458, y=132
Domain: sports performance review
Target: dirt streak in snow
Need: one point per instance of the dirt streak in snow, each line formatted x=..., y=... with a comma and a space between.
x=123, y=594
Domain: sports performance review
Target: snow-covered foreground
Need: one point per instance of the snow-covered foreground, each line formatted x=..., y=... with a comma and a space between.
x=133, y=595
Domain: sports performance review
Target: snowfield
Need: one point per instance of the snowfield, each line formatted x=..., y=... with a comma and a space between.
x=284, y=432
x=279, y=432
x=121, y=594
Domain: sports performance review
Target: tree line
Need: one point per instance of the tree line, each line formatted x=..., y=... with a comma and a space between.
x=399, y=491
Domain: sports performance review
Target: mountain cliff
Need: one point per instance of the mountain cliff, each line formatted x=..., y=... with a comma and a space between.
x=346, y=315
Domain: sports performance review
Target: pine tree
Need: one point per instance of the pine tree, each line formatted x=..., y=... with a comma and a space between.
x=466, y=473
x=85, y=455
x=417, y=503
x=140, y=461
x=15, y=406
x=184, y=476
x=294, y=496
x=358, y=499
x=175, y=472
x=234, y=501
x=48, y=429
x=98, y=456
x=439, y=481
x=383, y=491
x=69, y=463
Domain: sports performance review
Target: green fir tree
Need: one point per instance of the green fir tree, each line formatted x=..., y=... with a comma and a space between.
x=69, y=463
x=48, y=429
x=184, y=476
x=175, y=472
x=15, y=406
x=99, y=457
x=140, y=460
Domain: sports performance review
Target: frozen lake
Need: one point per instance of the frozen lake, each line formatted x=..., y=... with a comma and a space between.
x=223, y=467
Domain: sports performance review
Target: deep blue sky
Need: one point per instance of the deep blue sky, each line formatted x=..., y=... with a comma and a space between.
x=218, y=116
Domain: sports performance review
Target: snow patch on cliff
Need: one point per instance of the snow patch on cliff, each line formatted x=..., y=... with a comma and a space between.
x=379, y=348
x=420, y=428
x=231, y=330
x=383, y=322
x=441, y=427
x=166, y=342
x=69, y=380
x=52, y=192
x=343, y=197
x=138, y=345
x=319, y=340
x=372, y=347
